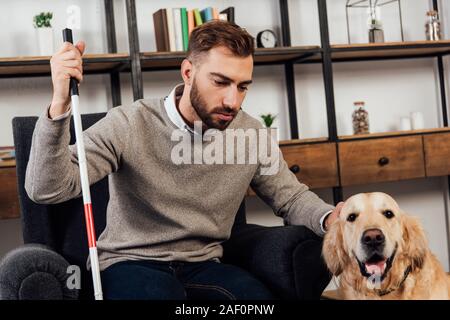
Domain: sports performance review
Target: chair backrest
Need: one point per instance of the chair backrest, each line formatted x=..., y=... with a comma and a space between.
x=61, y=226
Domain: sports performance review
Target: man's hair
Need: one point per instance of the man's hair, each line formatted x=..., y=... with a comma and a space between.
x=217, y=33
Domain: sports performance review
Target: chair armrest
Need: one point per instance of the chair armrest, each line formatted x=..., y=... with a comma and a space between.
x=287, y=259
x=34, y=272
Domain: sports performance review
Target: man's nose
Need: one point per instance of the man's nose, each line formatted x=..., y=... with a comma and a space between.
x=231, y=98
x=373, y=238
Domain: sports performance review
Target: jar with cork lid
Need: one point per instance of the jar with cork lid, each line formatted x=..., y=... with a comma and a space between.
x=360, y=118
x=433, y=26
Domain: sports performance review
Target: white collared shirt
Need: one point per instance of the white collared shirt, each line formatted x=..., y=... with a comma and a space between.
x=174, y=114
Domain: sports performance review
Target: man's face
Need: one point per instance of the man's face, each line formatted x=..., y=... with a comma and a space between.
x=220, y=82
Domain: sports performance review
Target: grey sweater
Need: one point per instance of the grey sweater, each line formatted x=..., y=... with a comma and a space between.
x=159, y=209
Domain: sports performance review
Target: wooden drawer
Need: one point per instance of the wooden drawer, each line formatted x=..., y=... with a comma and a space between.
x=9, y=200
x=437, y=154
x=314, y=164
x=378, y=160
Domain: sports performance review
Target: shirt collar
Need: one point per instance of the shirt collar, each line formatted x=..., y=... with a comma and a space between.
x=172, y=111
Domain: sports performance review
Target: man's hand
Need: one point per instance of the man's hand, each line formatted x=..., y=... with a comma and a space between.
x=66, y=63
x=332, y=217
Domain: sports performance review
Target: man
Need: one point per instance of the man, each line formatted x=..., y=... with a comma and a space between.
x=166, y=220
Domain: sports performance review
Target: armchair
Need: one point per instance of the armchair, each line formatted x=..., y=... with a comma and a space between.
x=286, y=258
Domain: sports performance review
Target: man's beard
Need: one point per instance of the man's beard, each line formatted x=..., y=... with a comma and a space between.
x=199, y=105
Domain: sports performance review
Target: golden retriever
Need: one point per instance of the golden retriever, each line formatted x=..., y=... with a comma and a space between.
x=379, y=252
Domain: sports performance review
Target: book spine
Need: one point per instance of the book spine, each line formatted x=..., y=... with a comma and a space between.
x=191, y=21
x=198, y=17
x=178, y=29
x=215, y=14
x=161, y=30
x=170, y=27
x=184, y=27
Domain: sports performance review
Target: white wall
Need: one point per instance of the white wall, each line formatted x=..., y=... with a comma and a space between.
x=390, y=88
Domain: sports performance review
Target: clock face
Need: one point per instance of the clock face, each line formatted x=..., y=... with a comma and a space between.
x=267, y=39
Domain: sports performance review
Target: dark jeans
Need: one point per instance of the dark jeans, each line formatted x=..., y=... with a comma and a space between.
x=158, y=280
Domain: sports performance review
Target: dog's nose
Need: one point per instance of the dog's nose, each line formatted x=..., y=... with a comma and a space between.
x=373, y=238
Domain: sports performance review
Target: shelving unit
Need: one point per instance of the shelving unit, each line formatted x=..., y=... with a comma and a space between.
x=393, y=134
x=152, y=61
x=307, y=151
x=385, y=51
x=40, y=66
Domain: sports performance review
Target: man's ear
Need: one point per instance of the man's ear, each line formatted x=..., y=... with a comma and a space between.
x=333, y=249
x=186, y=72
x=414, y=241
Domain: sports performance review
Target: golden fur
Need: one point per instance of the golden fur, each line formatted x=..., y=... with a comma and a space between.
x=404, y=241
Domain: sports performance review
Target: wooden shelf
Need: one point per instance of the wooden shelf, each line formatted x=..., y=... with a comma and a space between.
x=392, y=134
x=302, y=141
x=40, y=66
x=389, y=50
x=172, y=60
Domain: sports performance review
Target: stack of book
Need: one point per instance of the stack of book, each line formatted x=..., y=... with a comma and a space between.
x=7, y=156
x=173, y=26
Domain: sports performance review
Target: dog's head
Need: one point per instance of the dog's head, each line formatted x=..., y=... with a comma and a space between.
x=371, y=235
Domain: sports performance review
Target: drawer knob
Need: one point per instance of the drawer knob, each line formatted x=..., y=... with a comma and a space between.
x=295, y=169
x=383, y=161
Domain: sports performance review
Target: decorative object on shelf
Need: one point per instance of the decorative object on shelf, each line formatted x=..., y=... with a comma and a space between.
x=7, y=153
x=376, y=33
x=417, y=121
x=405, y=123
x=268, y=119
x=44, y=32
x=433, y=26
x=266, y=39
x=360, y=118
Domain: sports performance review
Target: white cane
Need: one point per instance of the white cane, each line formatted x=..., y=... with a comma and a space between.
x=88, y=216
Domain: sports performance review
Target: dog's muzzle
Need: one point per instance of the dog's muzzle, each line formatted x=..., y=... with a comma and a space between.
x=376, y=264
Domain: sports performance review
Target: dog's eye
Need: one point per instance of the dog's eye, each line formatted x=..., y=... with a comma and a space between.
x=388, y=214
x=352, y=217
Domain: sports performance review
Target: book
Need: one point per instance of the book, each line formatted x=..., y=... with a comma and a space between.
x=170, y=27
x=207, y=14
x=215, y=14
x=198, y=18
x=184, y=28
x=161, y=30
x=178, y=29
x=7, y=153
x=191, y=21
x=230, y=13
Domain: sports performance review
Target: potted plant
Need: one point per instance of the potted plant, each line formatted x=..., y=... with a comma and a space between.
x=268, y=119
x=44, y=31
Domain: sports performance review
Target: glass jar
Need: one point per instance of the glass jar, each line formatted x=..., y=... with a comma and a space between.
x=360, y=118
x=376, y=33
x=433, y=26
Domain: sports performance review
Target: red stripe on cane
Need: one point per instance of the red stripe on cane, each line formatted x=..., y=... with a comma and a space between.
x=90, y=225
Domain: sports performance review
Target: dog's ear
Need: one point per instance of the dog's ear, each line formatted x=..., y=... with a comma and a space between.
x=333, y=249
x=414, y=241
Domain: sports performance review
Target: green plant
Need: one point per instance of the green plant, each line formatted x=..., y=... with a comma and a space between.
x=43, y=20
x=268, y=119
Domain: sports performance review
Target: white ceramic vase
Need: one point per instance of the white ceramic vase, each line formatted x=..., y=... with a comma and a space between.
x=45, y=41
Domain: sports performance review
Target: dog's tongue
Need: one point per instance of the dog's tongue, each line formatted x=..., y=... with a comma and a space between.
x=376, y=268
